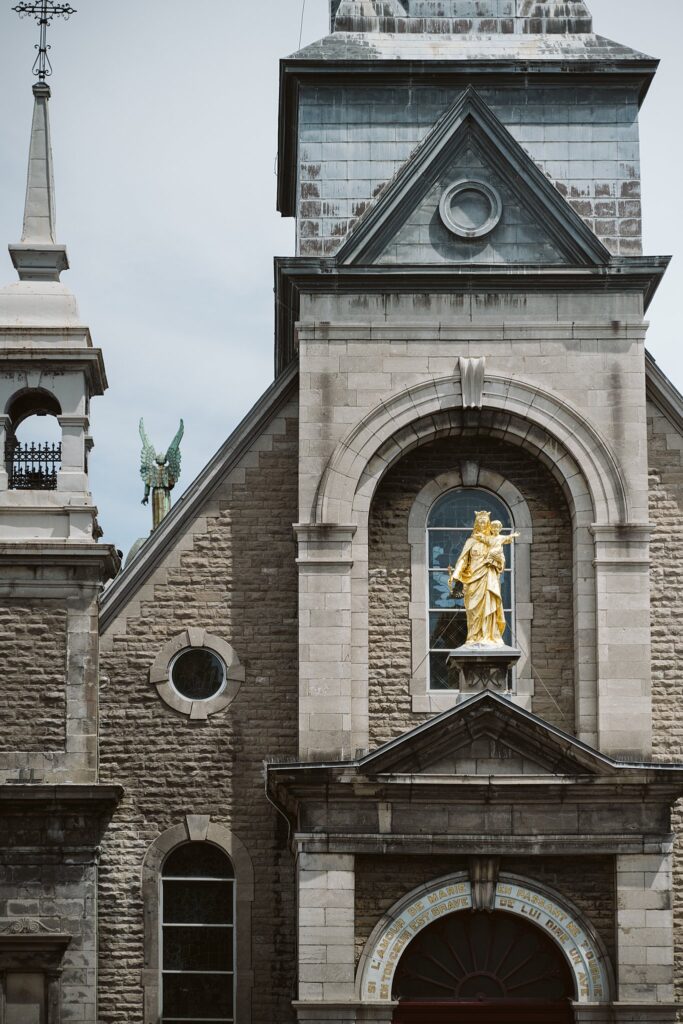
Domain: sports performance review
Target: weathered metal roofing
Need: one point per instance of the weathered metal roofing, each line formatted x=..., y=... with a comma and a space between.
x=461, y=49
x=505, y=16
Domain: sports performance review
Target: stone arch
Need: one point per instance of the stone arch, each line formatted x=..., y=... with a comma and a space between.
x=469, y=475
x=557, y=916
x=197, y=828
x=518, y=411
x=31, y=402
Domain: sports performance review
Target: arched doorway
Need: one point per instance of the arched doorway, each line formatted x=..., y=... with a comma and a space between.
x=483, y=968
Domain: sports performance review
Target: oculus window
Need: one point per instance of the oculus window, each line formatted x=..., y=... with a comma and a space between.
x=197, y=934
x=449, y=525
x=198, y=674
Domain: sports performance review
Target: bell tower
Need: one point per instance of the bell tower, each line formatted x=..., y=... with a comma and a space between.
x=52, y=568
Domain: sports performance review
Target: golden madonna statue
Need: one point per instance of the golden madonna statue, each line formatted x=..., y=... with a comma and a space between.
x=479, y=569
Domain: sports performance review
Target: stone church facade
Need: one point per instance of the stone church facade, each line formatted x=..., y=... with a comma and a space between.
x=243, y=779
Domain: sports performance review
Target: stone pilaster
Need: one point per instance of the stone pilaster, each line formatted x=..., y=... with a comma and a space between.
x=645, y=946
x=622, y=568
x=326, y=893
x=325, y=640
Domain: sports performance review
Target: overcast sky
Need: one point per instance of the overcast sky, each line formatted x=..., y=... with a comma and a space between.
x=164, y=121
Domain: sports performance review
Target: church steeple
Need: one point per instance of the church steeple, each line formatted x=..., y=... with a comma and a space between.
x=38, y=256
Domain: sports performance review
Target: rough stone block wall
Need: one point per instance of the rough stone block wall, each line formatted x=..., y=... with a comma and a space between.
x=234, y=574
x=353, y=140
x=33, y=707
x=665, y=449
x=552, y=645
x=43, y=887
x=588, y=882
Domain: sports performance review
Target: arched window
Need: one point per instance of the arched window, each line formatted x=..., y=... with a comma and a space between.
x=197, y=935
x=449, y=525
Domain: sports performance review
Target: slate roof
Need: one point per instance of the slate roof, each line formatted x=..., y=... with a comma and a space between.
x=369, y=46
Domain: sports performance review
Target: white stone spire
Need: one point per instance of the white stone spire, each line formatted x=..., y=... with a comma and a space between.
x=38, y=256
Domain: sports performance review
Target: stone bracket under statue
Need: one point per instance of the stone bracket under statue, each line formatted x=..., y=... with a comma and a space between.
x=481, y=667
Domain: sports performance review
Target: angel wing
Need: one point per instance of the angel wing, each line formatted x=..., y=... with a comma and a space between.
x=173, y=458
x=147, y=455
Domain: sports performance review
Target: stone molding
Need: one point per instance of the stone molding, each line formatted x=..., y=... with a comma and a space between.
x=197, y=828
x=564, y=923
x=576, y=453
x=470, y=475
x=198, y=710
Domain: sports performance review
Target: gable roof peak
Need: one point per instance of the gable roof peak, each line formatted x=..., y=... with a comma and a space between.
x=471, y=117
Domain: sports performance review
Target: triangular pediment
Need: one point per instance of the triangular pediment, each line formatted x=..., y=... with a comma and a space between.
x=487, y=735
x=471, y=194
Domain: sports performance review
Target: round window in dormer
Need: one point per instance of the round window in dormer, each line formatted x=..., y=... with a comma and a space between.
x=470, y=209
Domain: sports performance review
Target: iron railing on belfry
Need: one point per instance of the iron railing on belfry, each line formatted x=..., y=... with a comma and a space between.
x=33, y=467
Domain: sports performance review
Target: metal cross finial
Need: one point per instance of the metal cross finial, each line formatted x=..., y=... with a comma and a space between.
x=44, y=11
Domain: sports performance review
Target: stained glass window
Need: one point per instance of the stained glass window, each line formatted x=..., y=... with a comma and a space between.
x=449, y=525
x=198, y=948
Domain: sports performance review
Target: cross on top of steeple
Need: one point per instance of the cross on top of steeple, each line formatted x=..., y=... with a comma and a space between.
x=44, y=11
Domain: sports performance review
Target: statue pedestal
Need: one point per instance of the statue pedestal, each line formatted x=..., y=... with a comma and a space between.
x=483, y=667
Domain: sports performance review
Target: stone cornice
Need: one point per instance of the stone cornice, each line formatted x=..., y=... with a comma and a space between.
x=88, y=359
x=37, y=798
x=296, y=275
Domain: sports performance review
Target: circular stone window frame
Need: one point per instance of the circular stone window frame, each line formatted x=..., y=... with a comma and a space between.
x=471, y=185
x=194, y=638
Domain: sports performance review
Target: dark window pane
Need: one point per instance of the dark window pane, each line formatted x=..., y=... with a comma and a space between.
x=440, y=594
x=198, y=860
x=440, y=675
x=197, y=995
x=445, y=547
x=457, y=508
x=447, y=630
x=198, y=949
x=198, y=674
x=25, y=1001
x=506, y=590
x=198, y=902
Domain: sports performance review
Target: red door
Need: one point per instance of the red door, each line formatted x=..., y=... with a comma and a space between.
x=494, y=1011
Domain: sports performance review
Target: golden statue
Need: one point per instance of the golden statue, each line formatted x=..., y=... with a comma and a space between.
x=479, y=569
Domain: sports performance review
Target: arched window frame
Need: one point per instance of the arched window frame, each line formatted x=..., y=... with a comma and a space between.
x=197, y=828
x=469, y=475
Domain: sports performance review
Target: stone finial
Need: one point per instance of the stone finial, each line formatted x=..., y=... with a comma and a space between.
x=38, y=257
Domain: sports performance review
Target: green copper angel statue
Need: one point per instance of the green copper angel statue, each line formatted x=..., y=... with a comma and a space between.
x=160, y=473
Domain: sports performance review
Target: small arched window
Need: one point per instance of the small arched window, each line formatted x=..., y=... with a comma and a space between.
x=33, y=445
x=449, y=525
x=198, y=927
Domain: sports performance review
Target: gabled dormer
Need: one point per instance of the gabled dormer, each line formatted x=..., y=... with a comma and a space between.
x=470, y=193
